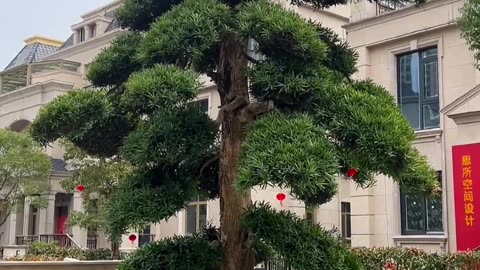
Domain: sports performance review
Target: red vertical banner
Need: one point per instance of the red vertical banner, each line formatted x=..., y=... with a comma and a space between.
x=466, y=183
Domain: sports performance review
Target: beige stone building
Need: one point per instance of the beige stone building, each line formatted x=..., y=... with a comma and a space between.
x=417, y=53
x=46, y=68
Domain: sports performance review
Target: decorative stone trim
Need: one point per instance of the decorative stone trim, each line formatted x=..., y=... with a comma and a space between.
x=440, y=240
x=466, y=118
x=428, y=135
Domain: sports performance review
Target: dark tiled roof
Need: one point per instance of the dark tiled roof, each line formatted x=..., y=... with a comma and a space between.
x=31, y=54
x=59, y=165
x=113, y=25
x=68, y=42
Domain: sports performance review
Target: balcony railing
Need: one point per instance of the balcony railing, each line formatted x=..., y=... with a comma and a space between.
x=386, y=6
x=274, y=265
x=63, y=240
x=26, y=240
x=21, y=76
x=92, y=241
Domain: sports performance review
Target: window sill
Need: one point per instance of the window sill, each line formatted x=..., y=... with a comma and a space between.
x=428, y=135
x=439, y=239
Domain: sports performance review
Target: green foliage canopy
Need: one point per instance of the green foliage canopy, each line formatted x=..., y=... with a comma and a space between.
x=308, y=123
x=24, y=172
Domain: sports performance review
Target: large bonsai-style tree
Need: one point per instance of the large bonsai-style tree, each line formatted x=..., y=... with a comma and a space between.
x=290, y=116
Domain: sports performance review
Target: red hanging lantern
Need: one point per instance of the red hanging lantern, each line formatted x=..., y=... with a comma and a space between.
x=281, y=197
x=80, y=188
x=132, y=238
x=389, y=266
x=352, y=173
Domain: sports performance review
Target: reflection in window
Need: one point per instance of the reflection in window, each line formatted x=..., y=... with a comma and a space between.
x=196, y=215
x=418, y=88
x=421, y=214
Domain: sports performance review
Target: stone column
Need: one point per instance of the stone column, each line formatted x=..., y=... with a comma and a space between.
x=12, y=229
x=76, y=36
x=26, y=216
x=88, y=33
x=46, y=224
x=79, y=234
x=362, y=215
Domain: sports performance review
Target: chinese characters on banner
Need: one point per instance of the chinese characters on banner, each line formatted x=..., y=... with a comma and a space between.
x=466, y=178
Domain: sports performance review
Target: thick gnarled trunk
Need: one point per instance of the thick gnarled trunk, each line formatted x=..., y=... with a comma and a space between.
x=233, y=87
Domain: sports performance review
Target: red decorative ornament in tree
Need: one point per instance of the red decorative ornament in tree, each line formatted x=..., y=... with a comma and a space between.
x=390, y=266
x=281, y=197
x=352, y=173
x=132, y=238
x=80, y=188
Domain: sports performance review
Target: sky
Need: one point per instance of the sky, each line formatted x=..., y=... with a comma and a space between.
x=21, y=19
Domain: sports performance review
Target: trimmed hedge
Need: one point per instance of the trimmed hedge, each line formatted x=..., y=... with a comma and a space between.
x=40, y=251
x=413, y=259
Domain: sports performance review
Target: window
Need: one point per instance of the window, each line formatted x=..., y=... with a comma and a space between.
x=145, y=237
x=420, y=214
x=81, y=34
x=203, y=104
x=346, y=221
x=418, y=88
x=196, y=215
x=310, y=216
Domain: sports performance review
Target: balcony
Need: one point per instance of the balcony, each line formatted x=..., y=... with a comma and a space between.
x=25, y=75
x=386, y=6
x=63, y=240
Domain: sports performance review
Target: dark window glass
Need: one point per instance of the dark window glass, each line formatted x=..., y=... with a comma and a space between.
x=203, y=104
x=196, y=215
x=418, y=88
x=346, y=221
x=191, y=219
x=421, y=214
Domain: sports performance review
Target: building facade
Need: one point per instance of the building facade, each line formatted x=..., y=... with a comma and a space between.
x=419, y=56
x=45, y=69
x=416, y=53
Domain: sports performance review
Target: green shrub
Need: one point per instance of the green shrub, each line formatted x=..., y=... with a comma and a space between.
x=40, y=251
x=413, y=259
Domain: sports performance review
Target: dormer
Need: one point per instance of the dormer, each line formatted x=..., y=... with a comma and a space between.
x=95, y=23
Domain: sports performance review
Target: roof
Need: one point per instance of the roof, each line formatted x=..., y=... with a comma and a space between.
x=59, y=165
x=32, y=53
x=68, y=42
x=114, y=24
x=111, y=27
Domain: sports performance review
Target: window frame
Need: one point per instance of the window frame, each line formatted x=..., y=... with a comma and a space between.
x=311, y=212
x=403, y=214
x=81, y=35
x=197, y=204
x=345, y=216
x=422, y=99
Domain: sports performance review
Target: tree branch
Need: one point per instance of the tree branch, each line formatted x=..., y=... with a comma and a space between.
x=4, y=219
x=236, y=104
x=258, y=108
x=208, y=163
x=251, y=59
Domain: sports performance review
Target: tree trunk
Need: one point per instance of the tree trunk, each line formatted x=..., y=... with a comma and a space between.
x=233, y=85
x=115, y=250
